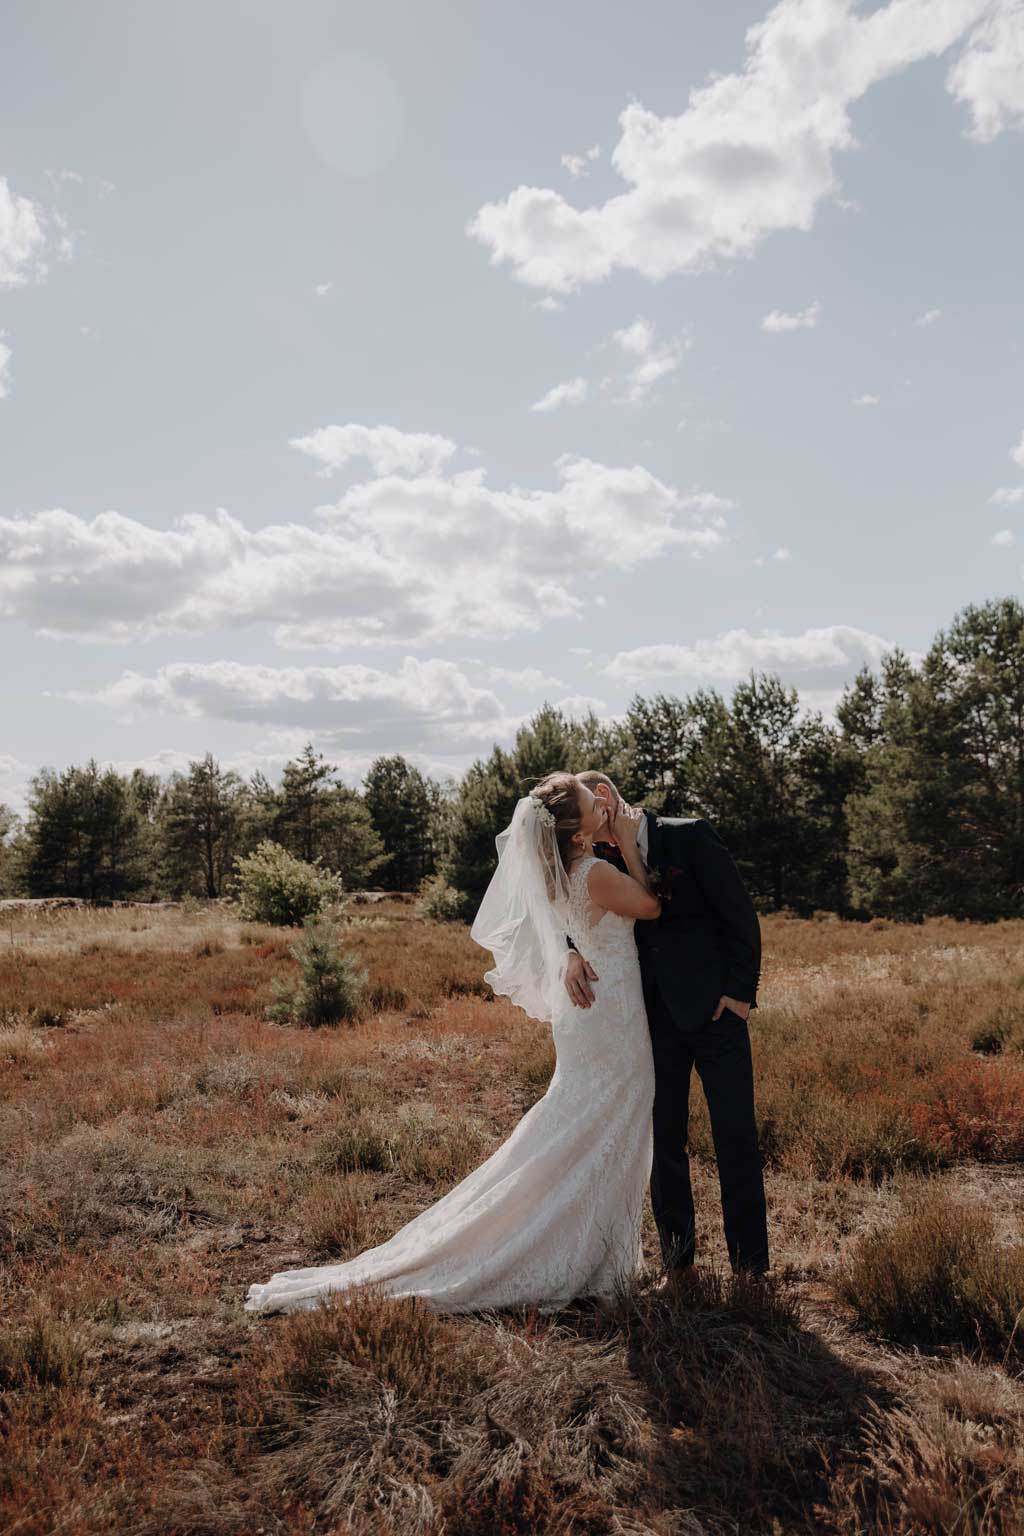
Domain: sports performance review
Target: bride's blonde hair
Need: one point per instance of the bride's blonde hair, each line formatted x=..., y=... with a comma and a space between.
x=560, y=794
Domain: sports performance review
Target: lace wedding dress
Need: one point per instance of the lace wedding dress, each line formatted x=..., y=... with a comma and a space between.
x=555, y=1213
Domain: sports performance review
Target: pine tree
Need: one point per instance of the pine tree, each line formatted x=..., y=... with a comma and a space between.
x=938, y=826
x=330, y=988
x=83, y=836
x=402, y=807
x=199, y=827
x=319, y=817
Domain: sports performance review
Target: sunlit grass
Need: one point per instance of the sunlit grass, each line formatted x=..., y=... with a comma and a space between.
x=165, y=1145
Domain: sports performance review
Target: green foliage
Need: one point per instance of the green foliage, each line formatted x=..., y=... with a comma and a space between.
x=270, y=885
x=488, y=793
x=89, y=833
x=771, y=780
x=9, y=857
x=330, y=987
x=402, y=804
x=200, y=816
x=317, y=817
x=442, y=902
x=666, y=744
x=938, y=823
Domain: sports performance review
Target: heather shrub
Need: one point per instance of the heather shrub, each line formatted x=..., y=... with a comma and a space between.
x=44, y=1352
x=975, y=1109
x=272, y=886
x=419, y=1144
x=335, y=1218
x=938, y=1275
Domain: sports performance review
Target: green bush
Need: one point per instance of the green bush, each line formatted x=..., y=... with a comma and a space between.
x=442, y=902
x=272, y=886
x=330, y=987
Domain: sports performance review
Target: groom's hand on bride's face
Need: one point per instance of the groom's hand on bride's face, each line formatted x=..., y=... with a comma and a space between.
x=579, y=973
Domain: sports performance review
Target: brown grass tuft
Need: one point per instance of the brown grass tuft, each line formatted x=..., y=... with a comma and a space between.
x=938, y=1275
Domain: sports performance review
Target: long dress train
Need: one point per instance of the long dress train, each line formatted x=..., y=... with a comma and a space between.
x=555, y=1213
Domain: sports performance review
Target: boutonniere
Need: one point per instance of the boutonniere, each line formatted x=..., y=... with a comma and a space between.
x=661, y=881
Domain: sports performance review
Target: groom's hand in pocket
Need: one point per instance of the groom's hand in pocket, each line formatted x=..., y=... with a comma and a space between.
x=579, y=973
x=734, y=1005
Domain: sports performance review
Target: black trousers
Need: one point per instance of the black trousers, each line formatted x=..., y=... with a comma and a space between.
x=720, y=1050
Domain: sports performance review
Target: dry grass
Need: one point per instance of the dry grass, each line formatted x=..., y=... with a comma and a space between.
x=164, y=1146
x=939, y=1275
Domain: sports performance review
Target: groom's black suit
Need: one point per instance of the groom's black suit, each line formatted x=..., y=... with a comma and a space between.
x=705, y=945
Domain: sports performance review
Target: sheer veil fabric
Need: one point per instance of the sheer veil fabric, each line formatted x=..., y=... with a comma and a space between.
x=524, y=916
x=555, y=1212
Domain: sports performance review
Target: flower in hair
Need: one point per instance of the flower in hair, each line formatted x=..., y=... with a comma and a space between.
x=545, y=815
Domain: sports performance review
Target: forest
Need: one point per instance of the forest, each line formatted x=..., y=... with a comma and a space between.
x=909, y=803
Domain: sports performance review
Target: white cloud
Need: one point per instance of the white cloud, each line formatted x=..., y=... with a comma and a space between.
x=419, y=698
x=1017, y=454
x=753, y=152
x=427, y=710
x=550, y=303
x=530, y=678
x=868, y=400
x=736, y=652
x=22, y=239
x=929, y=317
x=989, y=74
x=397, y=560
x=782, y=554
x=637, y=340
x=579, y=165
x=14, y=783
x=5, y=362
x=322, y=289
x=1007, y=496
x=804, y=320
x=647, y=374
x=389, y=451
x=577, y=705
x=1005, y=538
x=572, y=392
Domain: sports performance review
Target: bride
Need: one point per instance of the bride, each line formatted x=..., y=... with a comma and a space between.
x=555, y=1213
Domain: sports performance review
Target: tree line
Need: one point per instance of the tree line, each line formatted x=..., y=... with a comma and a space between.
x=910, y=803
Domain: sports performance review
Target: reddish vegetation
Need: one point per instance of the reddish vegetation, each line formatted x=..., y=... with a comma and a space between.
x=164, y=1146
x=975, y=1109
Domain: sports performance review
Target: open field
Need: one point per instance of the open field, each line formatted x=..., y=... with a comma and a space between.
x=163, y=1147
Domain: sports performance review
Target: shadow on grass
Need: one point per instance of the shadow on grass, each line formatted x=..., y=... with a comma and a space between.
x=752, y=1413
x=714, y=1413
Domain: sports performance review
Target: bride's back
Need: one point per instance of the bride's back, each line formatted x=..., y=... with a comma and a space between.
x=593, y=930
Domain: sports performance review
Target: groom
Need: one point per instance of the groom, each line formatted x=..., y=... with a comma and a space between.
x=700, y=962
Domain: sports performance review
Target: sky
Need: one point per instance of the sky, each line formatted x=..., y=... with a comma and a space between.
x=372, y=375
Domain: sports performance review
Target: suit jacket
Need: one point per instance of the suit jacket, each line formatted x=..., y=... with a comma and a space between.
x=707, y=942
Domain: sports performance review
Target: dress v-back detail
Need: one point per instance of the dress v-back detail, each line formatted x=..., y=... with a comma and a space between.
x=555, y=1212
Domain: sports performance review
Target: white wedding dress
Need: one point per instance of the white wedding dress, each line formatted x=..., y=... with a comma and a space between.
x=555, y=1213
